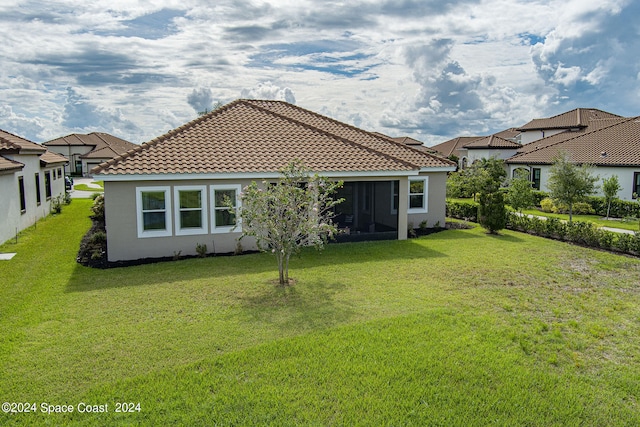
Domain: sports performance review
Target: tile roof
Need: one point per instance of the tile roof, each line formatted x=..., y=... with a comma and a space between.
x=492, y=141
x=49, y=157
x=105, y=146
x=577, y=118
x=608, y=143
x=13, y=143
x=249, y=136
x=9, y=165
x=454, y=146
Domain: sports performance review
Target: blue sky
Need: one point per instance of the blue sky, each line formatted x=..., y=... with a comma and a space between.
x=428, y=69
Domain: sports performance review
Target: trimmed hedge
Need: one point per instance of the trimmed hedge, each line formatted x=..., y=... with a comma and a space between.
x=619, y=208
x=467, y=210
x=581, y=233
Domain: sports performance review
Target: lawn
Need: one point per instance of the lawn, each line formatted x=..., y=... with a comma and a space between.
x=455, y=328
x=596, y=219
x=86, y=187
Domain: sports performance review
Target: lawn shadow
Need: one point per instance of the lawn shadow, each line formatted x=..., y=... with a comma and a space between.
x=85, y=279
x=290, y=307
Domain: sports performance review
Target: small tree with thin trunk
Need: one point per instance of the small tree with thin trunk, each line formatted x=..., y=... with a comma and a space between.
x=569, y=183
x=610, y=188
x=293, y=212
x=520, y=192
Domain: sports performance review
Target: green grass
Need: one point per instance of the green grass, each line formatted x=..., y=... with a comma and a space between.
x=456, y=328
x=85, y=187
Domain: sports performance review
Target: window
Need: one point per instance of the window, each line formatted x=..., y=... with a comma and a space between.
x=395, y=196
x=59, y=173
x=223, y=221
x=38, y=199
x=153, y=214
x=418, y=190
x=636, y=185
x=190, y=208
x=535, y=178
x=23, y=199
x=47, y=184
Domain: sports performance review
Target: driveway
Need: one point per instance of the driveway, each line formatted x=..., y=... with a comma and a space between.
x=76, y=194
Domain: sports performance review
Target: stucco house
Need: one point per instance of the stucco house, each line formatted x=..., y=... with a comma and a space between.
x=30, y=178
x=165, y=196
x=87, y=151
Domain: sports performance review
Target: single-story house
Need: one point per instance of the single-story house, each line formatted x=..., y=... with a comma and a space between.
x=30, y=178
x=165, y=196
x=87, y=151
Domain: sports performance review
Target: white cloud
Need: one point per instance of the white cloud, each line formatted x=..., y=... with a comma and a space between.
x=268, y=90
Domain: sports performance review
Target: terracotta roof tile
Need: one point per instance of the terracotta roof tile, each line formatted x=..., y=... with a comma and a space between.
x=454, y=146
x=11, y=142
x=8, y=165
x=105, y=146
x=492, y=141
x=609, y=143
x=263, y=136
x=49, y=157
x=577, y=118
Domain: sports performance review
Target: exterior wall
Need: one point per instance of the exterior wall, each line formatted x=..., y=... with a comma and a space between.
x=436, y=207
x=625, y=177
x=13, y=220
x=122, y=228
x=476, y=154
x=72, y=153
x=527, y=137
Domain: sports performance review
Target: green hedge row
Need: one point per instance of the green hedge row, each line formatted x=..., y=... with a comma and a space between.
x=467, y=210
x=582, y=233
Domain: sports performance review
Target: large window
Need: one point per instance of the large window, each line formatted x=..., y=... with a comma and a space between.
x=418, y=194
x=190, y=208
x=636, y=185
x=153, y=213
x=23, y=198
x=47, y=184
x=38, y=196
x=222, y=219
x=535, y=178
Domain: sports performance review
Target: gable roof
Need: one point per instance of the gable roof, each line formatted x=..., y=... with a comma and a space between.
x=492, y=141
x=9, y=165
x=454, y=146
x=49, y=158
x=255, y=136
x=105, y=146
x=610, y=143
x=578, y=118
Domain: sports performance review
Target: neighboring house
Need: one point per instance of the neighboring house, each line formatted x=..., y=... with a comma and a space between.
x=30, y=178
x=87, y=151
x=166, y=196
x=611, y=145
x=609, y=142
x=456, y=147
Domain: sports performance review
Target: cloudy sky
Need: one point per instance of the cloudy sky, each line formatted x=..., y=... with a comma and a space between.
x=429, y=69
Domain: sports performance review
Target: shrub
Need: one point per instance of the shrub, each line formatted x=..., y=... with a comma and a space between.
x=201, y=250
x=466, y=210
x=546, y=205
x=492, y=214
x=98, y=237
x=98, y=208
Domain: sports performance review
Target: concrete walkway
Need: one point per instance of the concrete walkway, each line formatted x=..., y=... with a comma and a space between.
x=77, y=194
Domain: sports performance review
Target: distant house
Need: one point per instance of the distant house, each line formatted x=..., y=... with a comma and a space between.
x=456, y=147
x=88, y=151
x=588, y=135
x=30, y=178
x=166, y=195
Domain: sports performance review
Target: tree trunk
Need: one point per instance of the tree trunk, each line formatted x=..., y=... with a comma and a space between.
x=280, y=257
x=608, y=208
x=570, y=212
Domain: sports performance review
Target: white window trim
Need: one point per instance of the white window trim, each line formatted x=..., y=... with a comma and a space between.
x=227, y=228
x=394, y=194
x=167, y=207
x=425, y=198
x=203, y=210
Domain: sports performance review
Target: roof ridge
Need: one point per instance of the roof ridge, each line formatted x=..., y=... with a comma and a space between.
x=626, y=119
x=332, y=135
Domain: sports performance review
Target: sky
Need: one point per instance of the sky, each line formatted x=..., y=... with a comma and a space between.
x=429, y=69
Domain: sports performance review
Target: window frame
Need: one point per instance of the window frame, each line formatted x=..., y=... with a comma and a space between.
x=635, y=185
x=535, y=182
x=47, y=185
x=215, y=229
x=204, y=229
x=142, y=233
x=425, y=196
x=38, y=193
x=395, y=196
x=22, y=195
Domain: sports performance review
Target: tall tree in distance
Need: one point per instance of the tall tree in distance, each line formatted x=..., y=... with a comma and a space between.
x=569, y=183
x=293, y=212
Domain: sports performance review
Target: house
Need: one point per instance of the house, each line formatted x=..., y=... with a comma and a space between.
x=589, y=135
x=166, y=195
x=31, y=177
x=88, y=151
x=455, y=148
x=611, y=145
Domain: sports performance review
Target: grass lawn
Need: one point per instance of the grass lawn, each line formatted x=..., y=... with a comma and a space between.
x=596, y=219
x=85, y=187
x=455, y=328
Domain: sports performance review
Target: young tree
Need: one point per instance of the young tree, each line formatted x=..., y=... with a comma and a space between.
x=294, y=212
x=569, y=183
x=520, y=192
x=610, y=188
x=492, y=214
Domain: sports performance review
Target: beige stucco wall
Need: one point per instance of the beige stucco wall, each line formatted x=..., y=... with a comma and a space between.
x=124, y=243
